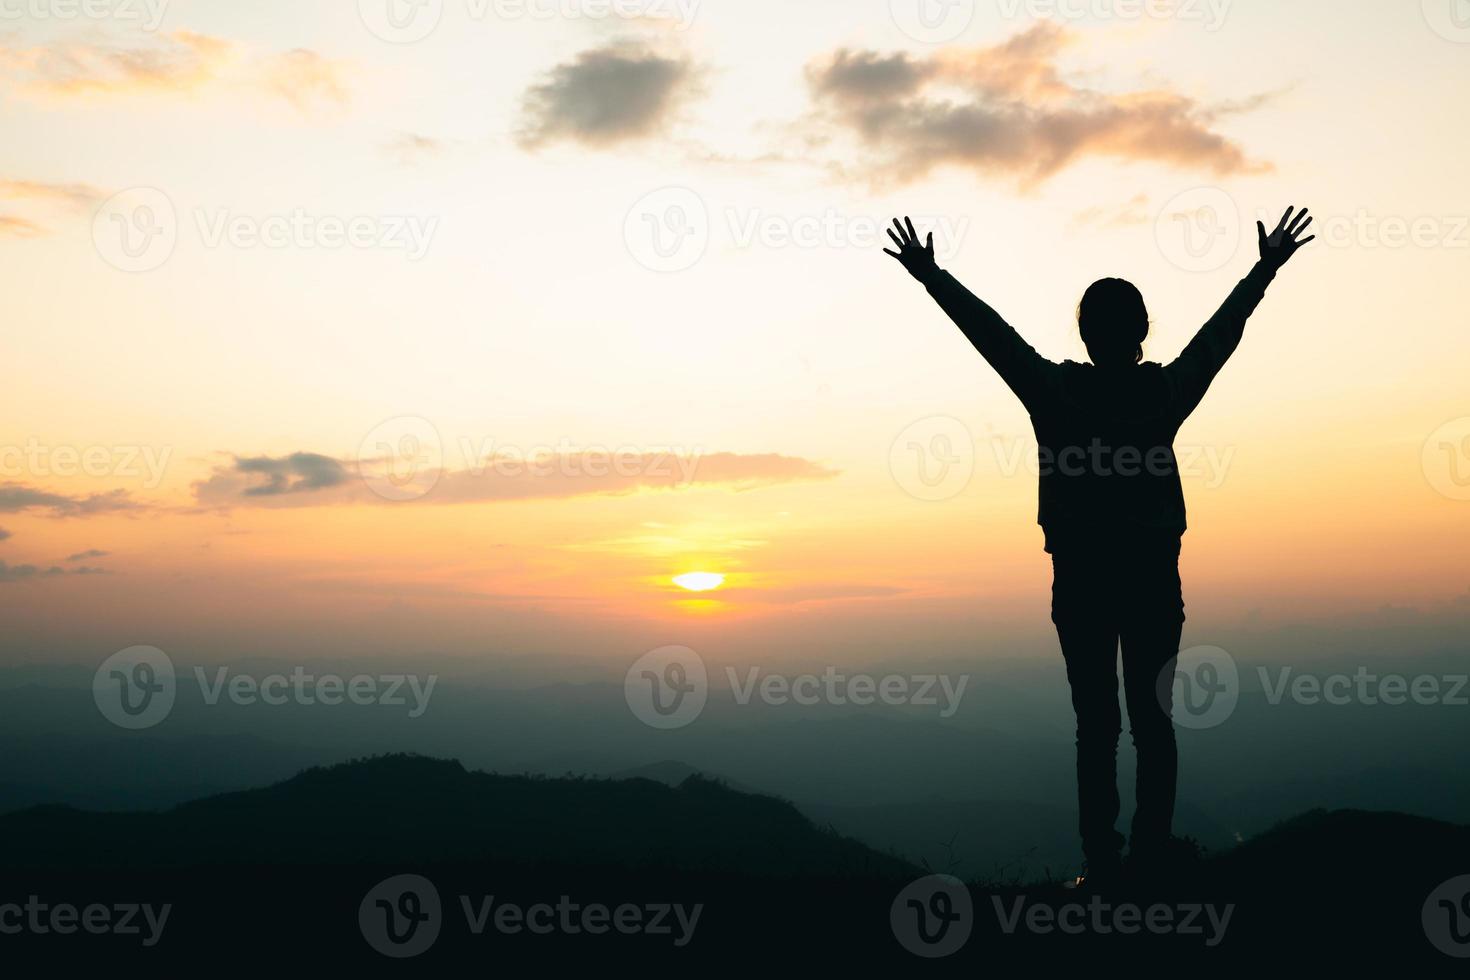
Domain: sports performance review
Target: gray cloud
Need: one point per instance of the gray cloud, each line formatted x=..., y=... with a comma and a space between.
x=16, y=497
x=1007, y=110
x=856, y=77
x=28, y=573
x=22, y=573
x=309, y=479
x=608, y=95
x=297, y=473
x=84, y=555
x=4, y=534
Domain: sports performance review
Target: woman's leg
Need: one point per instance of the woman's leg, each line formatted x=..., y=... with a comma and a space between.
x=1150, y=647
x=1090, y=647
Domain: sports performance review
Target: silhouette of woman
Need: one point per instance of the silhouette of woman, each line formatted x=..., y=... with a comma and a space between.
x=1112, y=509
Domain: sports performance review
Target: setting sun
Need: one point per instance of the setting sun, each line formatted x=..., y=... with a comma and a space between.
x=699, y=581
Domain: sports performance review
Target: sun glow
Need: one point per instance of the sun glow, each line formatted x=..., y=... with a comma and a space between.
x=699, y=581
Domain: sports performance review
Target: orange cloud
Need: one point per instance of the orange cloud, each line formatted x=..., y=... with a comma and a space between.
x=13, y=227
x=1008, y=110
x=178, y=62
x=183, y=62
x=76, y=197
x=1134, y=211
x=409, y=148
x=306, y=80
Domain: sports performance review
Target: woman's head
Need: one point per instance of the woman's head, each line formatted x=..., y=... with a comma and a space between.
x=1113, y=322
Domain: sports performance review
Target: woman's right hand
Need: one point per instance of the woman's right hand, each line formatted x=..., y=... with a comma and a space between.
x=917, y=259
x=1279, y=246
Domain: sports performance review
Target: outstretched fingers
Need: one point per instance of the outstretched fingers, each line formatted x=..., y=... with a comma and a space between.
x=1299, y=225
x=900, y=237
x=1281, y=225
x=1281, y=244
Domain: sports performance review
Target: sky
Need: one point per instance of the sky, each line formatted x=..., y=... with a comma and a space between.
x=468, y=326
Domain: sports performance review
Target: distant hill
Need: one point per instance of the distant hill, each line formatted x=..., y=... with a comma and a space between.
x=671, y=772
x=412, y=809
x=289, y=873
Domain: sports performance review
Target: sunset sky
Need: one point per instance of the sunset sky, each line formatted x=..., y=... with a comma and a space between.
x=386, y=271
